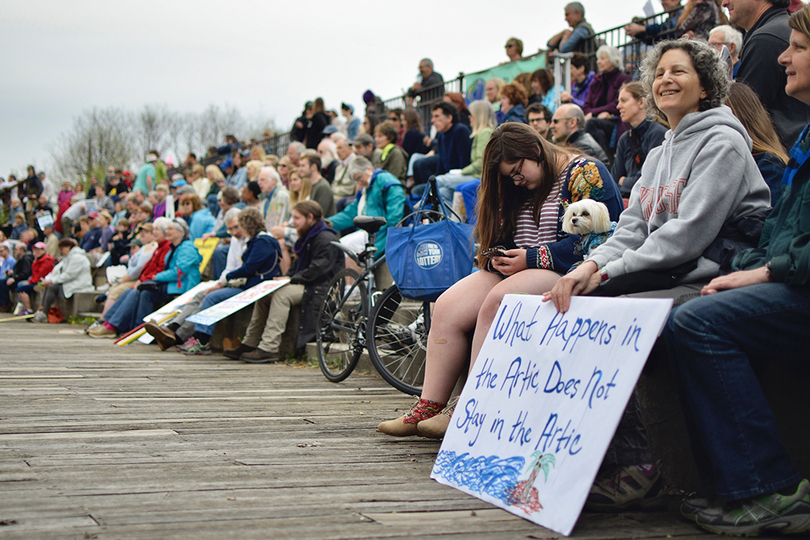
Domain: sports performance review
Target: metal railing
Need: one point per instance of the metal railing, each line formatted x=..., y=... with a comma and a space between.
x=632, y=50
x=426, y=98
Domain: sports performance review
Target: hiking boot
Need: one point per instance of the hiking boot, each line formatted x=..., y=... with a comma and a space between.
x=405, y=425
x=163, y=335
x=199, y=348
x=436, y=427
x=691, y=507
x=772, y=513
x=190, y=342
x=101, y=331
x=260, y=356
x=631, y=487
x=236, y=354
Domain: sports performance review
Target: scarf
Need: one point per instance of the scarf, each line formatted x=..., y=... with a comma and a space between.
x=313, y=231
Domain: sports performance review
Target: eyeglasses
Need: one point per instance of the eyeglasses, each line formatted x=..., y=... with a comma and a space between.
x=509, y=45
x=558, y=120
x=393, y=118
x=517, y=176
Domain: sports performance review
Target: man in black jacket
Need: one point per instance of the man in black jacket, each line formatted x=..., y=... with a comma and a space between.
x=767, y=36
x=318, y=262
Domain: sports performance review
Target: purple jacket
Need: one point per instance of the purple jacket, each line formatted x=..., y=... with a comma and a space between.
x=613, y=79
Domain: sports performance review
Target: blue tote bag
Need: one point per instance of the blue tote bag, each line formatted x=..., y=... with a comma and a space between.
x=427, y=259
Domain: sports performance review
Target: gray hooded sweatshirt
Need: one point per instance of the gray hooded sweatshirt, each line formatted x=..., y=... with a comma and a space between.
x=701, y=177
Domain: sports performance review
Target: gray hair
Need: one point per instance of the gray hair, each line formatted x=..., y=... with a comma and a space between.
x=231, y=214
x=730, y=35
x=613, y=55
x=338, y=136
x=179, y=224
x=576, y=6
x=273, y=173
x=358, y=165
x=162, y=223
x=575, y=112
x=427, y=61
x=331, y=147
x=298, y=147
x=712, y=73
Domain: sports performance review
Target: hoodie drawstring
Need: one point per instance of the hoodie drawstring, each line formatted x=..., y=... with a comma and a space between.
x=656, y=198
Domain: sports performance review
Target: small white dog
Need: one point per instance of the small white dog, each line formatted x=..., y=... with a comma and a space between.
x=591, y=220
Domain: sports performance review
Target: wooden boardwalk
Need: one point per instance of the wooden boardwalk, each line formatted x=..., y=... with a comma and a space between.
x=103, y=442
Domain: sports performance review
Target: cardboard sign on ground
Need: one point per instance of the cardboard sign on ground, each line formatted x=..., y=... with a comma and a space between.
x=543, y=401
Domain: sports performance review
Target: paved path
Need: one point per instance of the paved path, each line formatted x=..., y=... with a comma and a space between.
x=98, y=441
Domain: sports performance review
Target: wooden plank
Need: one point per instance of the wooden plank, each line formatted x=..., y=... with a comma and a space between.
x=102, y=442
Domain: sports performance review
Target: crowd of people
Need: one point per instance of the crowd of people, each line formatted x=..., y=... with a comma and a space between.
x=688, y=155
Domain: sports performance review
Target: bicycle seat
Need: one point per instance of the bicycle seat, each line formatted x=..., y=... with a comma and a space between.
x=369, y=224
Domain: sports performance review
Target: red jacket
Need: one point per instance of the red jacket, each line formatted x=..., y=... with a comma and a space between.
x=41, y=267
x=156, y=263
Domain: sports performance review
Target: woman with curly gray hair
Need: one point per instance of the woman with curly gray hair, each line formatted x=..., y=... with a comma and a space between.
x=698, y=194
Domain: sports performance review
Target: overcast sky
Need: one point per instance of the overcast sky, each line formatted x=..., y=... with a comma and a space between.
x=263, y=56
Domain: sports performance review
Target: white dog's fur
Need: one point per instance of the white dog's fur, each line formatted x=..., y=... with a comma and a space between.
x=585, y=217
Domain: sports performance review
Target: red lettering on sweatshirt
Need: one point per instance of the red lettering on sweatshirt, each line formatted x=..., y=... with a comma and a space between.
x=669, y=197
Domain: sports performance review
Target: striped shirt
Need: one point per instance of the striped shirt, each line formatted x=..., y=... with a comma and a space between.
x=528, y=234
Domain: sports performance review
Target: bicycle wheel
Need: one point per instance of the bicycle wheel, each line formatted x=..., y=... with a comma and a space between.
x=341, y=326
x=397, y=340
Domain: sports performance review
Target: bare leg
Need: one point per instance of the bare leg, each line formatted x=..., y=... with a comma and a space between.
x=107, y=305
x=24, y=300
x=454, y=315
x=532, y=281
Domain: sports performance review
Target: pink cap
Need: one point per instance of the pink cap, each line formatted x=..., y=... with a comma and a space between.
x=40, y=245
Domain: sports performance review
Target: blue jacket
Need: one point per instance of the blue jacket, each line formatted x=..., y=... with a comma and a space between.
x=454, y=147
x=92, y=239
x=516, y=114
x=201, y=222
x=260, y=260
x=182, y=271
x=579, y=91
x=386, y=198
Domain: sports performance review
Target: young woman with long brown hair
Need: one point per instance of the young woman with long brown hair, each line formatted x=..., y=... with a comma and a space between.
x=526, y=185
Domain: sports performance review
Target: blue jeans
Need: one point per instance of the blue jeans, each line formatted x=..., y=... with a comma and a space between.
x=122, y=313
x=713, y=342
x=469, y=191
x=132, y=306
x=211, y=299
x=219, y=260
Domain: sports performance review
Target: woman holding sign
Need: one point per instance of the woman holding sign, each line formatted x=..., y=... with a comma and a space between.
x=751, y=317
x=526, y=185
x=700, y=199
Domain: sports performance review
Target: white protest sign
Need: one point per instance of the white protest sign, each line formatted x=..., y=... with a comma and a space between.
x=233, y=304
x=175, y=305
x=543, y=400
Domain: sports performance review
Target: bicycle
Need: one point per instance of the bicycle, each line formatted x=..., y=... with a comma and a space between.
x=398, y=327
x=342, y=317
x=393, y=329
